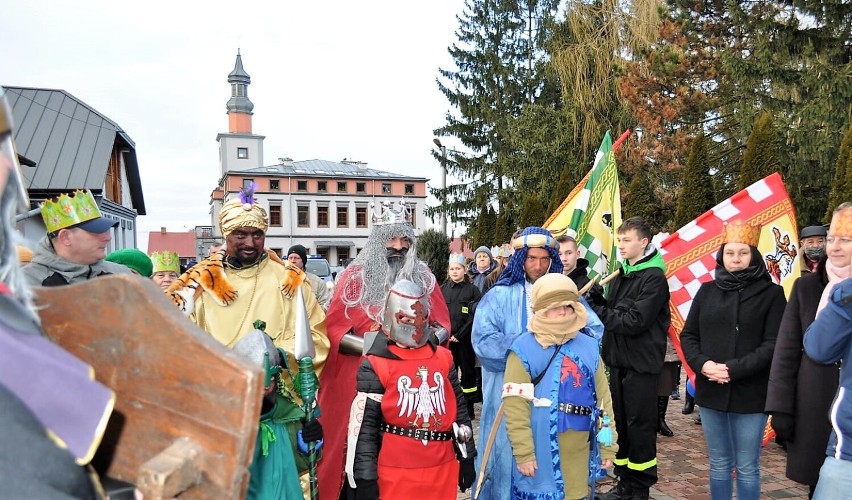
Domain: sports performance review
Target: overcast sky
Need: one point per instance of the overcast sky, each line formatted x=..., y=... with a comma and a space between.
x=331, y=79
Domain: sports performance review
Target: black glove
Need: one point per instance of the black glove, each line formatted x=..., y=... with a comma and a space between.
x=367, y=490
x=785, y=426
x=595, y=295
x=311, y=430
x=467, y=474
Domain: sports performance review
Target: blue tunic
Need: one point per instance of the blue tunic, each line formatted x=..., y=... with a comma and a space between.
x=501, y=317
x=569, y=379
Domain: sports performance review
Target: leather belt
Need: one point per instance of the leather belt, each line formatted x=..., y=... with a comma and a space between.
x=419, y=434
x=575, y=409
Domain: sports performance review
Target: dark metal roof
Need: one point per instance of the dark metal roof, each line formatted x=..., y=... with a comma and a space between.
x=69, y=142
x=324, y=168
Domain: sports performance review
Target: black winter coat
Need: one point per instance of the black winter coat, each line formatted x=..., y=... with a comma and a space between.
x=737, y=328
x=580, y=274
x=461, y=300
x=799, y=386
x=636, y=320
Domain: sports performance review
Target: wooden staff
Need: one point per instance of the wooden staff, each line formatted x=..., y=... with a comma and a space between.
x=492, y=434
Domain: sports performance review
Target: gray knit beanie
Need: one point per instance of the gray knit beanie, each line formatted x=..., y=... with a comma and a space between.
x=485, y=249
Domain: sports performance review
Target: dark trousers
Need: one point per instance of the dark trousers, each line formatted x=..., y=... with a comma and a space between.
x=465, y=360
x=634, y=401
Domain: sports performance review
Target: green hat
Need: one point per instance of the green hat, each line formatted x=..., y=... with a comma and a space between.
x=78, y=209
x=134, y=259
x=166, y=261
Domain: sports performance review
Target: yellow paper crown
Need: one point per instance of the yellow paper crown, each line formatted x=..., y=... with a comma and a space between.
x=739, y=231
x=67, y=210
x=841, y=223
x=165, y=261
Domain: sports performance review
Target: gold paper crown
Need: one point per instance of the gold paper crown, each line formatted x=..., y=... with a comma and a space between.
x=841, y=223
x=457, y=258
x=390, y=213
x=67, y=210
x=165, y=261
x=739, y=231
x=504, y=250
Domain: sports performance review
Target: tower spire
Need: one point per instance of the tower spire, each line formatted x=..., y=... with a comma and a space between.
x=239, y=106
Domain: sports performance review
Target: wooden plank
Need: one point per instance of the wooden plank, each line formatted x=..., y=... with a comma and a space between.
x=171, y=379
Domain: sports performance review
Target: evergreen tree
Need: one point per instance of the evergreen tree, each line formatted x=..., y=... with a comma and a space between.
x=533, y=212
x=696, y=195
x=640, y=200
x=503, y=228
x=500, y=70
x=433, y=248
x=841, y=187
x=761, y=155
x=568, y=179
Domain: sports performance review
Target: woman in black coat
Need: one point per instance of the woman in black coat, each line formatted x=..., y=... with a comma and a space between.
x=728, y=340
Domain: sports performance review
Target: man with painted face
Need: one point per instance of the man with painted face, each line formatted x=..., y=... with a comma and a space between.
x=412, y=409
x=501, y=317
x=226, y=293
x=357, y=308
x=812, y=243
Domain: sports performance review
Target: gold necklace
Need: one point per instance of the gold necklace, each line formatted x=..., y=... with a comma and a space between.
x=248, y=308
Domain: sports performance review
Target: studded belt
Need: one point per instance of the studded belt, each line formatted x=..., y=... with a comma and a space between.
x=575, y=409
x=419, y=434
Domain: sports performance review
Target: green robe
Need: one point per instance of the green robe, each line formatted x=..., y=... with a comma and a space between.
x=274, y=472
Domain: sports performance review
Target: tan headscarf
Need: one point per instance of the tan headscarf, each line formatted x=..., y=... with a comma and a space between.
x=235, y=214
x=549, y=291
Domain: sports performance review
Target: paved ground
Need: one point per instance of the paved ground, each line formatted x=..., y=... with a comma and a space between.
x=683, y=465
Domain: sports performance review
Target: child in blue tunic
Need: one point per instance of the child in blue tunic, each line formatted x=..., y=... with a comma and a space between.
x=555, y=394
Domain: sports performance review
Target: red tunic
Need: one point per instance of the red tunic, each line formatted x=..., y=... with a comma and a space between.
x=338, y=384
x=418, y=394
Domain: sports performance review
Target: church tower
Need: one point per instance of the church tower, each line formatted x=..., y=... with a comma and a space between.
x=239, y=149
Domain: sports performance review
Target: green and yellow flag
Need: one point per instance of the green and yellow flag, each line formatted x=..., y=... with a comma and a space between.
x=592, y=211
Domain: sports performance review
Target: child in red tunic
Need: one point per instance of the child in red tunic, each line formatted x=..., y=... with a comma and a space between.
x=414, y=439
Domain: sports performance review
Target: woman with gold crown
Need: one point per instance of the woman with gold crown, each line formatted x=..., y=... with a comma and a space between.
x=800, y=389
x=728, y=340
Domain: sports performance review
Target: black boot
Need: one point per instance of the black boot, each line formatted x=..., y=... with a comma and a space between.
x=621, y=491
x=470, y=410
x=640, y=494
x=662, y=426
x=688, y=404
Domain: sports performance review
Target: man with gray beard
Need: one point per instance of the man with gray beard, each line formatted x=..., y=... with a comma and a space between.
x=356, y=308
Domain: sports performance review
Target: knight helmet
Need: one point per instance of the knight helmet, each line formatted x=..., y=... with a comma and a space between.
x=406, y=316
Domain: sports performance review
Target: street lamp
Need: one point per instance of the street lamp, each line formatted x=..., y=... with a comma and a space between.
x=443, y=179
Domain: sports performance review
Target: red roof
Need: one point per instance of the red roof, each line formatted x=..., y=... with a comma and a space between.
x=182, y=243
x=456, y=245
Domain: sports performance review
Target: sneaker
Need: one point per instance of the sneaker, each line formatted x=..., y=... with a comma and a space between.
x=675, y=394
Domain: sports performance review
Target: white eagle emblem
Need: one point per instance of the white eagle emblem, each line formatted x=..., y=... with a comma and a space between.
x=424, y=402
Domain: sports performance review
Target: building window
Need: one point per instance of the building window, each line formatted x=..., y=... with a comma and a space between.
x=242, y=153
x=302, y=214
x=323, y=252
x=278, y=253
x=360, y=216
x=342, y=254
x=301, y=185
x=275, y=215
x=386, y=188
x=247, y=183
x=322, y=186
x=341, y=187
x=412, y=215
x=322, y=216
x=409, y=189
x=342, y=216
x=274, y=185
x=360, y=187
